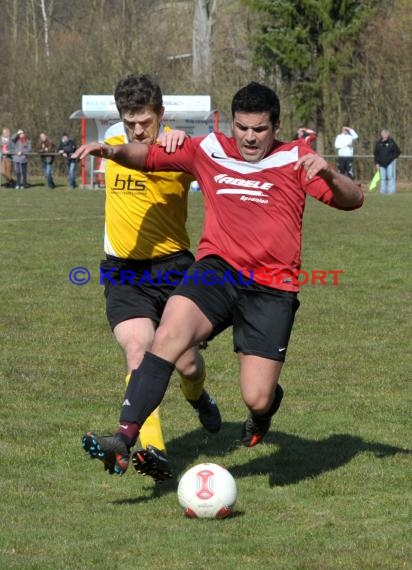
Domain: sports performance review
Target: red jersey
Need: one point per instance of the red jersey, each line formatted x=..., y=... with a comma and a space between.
x=253, y=211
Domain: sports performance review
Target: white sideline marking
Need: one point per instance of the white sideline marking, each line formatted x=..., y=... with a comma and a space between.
x=72, y=218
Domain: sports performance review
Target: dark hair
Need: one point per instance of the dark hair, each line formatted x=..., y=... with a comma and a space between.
x=137, y=91
x=257, y=98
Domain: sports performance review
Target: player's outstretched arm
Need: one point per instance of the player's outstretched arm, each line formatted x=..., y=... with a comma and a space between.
x=346, y=192
x=132, y=155
x=85, y=150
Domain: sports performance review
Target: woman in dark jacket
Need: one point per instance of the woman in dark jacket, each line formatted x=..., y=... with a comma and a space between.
x=386, y=152
x=66, y=148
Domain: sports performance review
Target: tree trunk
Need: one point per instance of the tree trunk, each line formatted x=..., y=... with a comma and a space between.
x=46, y=33
x=202, y=42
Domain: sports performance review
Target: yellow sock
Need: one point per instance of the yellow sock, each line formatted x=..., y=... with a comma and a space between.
x=192, y=389
x=151, y=430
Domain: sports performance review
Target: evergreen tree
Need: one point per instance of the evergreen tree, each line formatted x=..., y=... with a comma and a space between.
x=309, y=48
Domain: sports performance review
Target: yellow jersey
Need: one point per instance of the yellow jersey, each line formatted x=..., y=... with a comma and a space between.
x=145, y=212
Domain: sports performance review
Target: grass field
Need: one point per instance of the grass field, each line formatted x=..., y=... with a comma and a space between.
x=329, y=488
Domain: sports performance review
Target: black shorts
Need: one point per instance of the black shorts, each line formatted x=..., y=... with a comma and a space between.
x=262, y=317
x=135, y=288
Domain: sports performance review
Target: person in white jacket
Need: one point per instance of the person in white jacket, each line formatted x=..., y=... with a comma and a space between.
x=344, y=146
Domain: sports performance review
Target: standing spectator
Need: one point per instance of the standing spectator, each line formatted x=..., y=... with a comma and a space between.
x=344, y=146
x=385, y=154
x=6, y=163
x=66, y=148
x=46, y=147
x=21, y=145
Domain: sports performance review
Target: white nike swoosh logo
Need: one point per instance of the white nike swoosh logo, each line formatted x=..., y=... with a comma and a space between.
x=282, y=349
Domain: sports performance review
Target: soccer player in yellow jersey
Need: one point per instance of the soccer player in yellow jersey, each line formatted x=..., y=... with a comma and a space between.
x=146, y=246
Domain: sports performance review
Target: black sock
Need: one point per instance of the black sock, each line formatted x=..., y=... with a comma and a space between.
x=128, y=432
x=146, y=389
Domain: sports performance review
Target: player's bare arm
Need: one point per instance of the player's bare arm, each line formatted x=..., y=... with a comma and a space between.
x=85, y=150
x=346, y=192
x=132, y=155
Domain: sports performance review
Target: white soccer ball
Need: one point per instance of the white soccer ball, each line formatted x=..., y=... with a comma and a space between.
x=207, y=490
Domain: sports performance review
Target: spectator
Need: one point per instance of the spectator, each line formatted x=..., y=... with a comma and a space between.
x=21, y=145
x=6, y=162
x=344, y=146
x=46, y=147
x=385, y=154
x=308, y=135
x=66, y=148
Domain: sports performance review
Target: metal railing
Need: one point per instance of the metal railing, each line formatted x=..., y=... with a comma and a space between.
x=35, y=167
x=363, y=166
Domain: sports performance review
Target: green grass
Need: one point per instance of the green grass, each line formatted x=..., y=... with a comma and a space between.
x=330, y=487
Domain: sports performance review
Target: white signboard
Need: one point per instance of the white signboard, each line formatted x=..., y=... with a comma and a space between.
x=99, y=103
x=187, y=103
x=172, y=103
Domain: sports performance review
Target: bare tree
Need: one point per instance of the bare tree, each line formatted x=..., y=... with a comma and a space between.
x=202, y=42
x=53, y=51
x=46, y=32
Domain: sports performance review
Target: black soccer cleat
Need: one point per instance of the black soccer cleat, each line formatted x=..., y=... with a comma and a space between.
x=153, y=462
x=256, y=426
x=110, y=449
x=208, y=412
